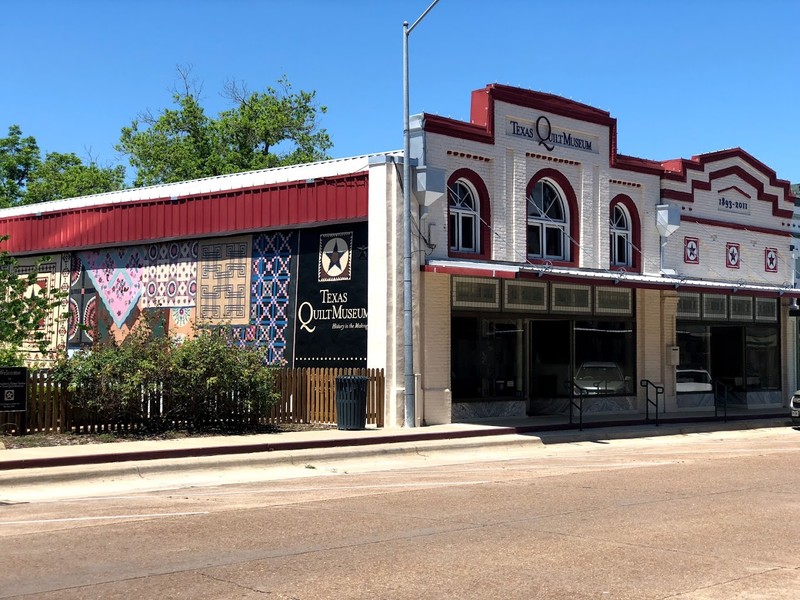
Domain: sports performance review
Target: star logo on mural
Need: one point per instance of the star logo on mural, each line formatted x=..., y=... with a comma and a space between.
x=334, y=256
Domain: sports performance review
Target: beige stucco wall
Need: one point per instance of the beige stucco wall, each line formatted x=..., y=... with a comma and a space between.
x=434, y=365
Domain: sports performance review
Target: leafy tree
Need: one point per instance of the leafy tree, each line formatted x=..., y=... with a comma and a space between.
x=27, y=179
x=22, y=310
x=65, y=176
x=263, y=129
x=19, y=157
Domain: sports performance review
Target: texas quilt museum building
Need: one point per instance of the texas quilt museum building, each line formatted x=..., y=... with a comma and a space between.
x=549, y=266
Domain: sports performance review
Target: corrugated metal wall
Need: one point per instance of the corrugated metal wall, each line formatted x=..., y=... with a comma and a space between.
x=266, y=207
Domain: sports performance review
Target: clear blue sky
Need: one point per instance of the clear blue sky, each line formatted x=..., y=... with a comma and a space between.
x=681, y=77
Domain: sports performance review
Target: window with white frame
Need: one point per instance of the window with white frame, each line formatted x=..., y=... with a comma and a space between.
x=619, y=226
x=548, y=223
x=464, y=218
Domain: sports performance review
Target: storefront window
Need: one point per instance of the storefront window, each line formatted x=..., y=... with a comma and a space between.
x=486, y=355
x=604, y=357
x=762, y=358
x=743, y=357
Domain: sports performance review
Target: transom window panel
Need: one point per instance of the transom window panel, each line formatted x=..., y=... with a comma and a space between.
x=547, y=223
x=464, y=218
x=476, y=292
x=620, y=233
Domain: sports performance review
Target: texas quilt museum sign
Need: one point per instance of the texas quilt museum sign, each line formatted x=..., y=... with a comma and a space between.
x=13, y=389
x=331, y=304
x=542, y=131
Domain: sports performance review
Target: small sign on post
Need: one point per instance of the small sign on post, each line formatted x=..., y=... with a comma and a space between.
x=13, y=389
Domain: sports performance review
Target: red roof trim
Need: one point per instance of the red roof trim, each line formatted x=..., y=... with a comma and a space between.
x=481, y=126
x=677, y=169
x=682, y=196
x=457, y=129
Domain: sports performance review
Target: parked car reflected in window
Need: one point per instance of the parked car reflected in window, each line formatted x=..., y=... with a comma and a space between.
x=692, y=380
x=596, y=377
x=794, y=407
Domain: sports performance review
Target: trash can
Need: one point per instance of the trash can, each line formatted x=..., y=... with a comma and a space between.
x=351, y=402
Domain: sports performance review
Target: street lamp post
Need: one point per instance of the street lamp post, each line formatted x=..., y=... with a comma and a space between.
x=408, y=322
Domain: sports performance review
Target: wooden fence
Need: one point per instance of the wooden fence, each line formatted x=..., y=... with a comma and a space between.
x=307, y=395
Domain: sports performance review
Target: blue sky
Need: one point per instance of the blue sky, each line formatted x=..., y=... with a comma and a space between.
x=681, y=77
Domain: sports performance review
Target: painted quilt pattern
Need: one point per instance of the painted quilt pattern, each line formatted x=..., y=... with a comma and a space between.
x=50, y=275
x=117, y=276
x=169, y=275
x=223, y=281
x=271, y=284
x=82, y=310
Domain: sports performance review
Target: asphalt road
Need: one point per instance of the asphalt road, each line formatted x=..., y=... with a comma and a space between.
x=700, y=516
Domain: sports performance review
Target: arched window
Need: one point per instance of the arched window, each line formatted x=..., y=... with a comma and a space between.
x=619, y=227
x=625, y=232
x=468, y=216
x=464, y=221
x=548, y=223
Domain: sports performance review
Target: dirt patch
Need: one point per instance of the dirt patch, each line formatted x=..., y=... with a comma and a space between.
x=36, y=440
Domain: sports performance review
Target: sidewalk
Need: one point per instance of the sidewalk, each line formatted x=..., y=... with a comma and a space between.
x=370, y=440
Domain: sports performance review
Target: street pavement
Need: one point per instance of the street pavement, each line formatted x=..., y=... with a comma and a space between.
x=634, y=513
x=24, y=470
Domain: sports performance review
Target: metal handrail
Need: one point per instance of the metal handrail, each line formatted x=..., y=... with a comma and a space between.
x=582, y=393
x=725, y=389
x=647, y=384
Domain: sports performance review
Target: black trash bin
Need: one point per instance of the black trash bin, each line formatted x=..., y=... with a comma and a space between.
x=351, y=402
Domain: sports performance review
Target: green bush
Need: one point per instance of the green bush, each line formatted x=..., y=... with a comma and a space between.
x=214, y=382
x=149, y=381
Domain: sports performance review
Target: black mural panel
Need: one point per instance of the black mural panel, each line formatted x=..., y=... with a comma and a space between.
x=330, y=312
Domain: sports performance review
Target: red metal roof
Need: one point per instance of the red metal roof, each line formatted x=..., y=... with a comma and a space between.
x=330, y=199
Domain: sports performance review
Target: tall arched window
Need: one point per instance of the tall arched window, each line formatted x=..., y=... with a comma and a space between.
x=548, y=223
x=625, y=232
x=619, y=227
x=464, y=208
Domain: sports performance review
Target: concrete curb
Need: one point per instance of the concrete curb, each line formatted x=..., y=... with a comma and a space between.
x=347, y=447
x=104, y=455
x=257, y=460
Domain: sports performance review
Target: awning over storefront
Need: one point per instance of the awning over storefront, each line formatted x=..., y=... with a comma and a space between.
x=616, y=277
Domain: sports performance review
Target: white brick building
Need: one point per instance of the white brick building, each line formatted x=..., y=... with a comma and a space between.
x=545, y=276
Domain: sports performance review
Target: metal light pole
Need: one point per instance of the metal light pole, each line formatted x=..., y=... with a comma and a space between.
x=408, y=322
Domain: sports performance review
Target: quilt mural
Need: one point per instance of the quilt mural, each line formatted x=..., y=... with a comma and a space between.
x=300, y=295
x=224, y=280
x=53, y=273
x=272, y=287
x=117, y=276
x=169, y=275
x=82, y=323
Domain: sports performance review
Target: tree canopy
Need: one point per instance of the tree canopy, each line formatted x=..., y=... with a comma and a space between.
x=25, y=178
x=266, y=129
x=270, y=128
